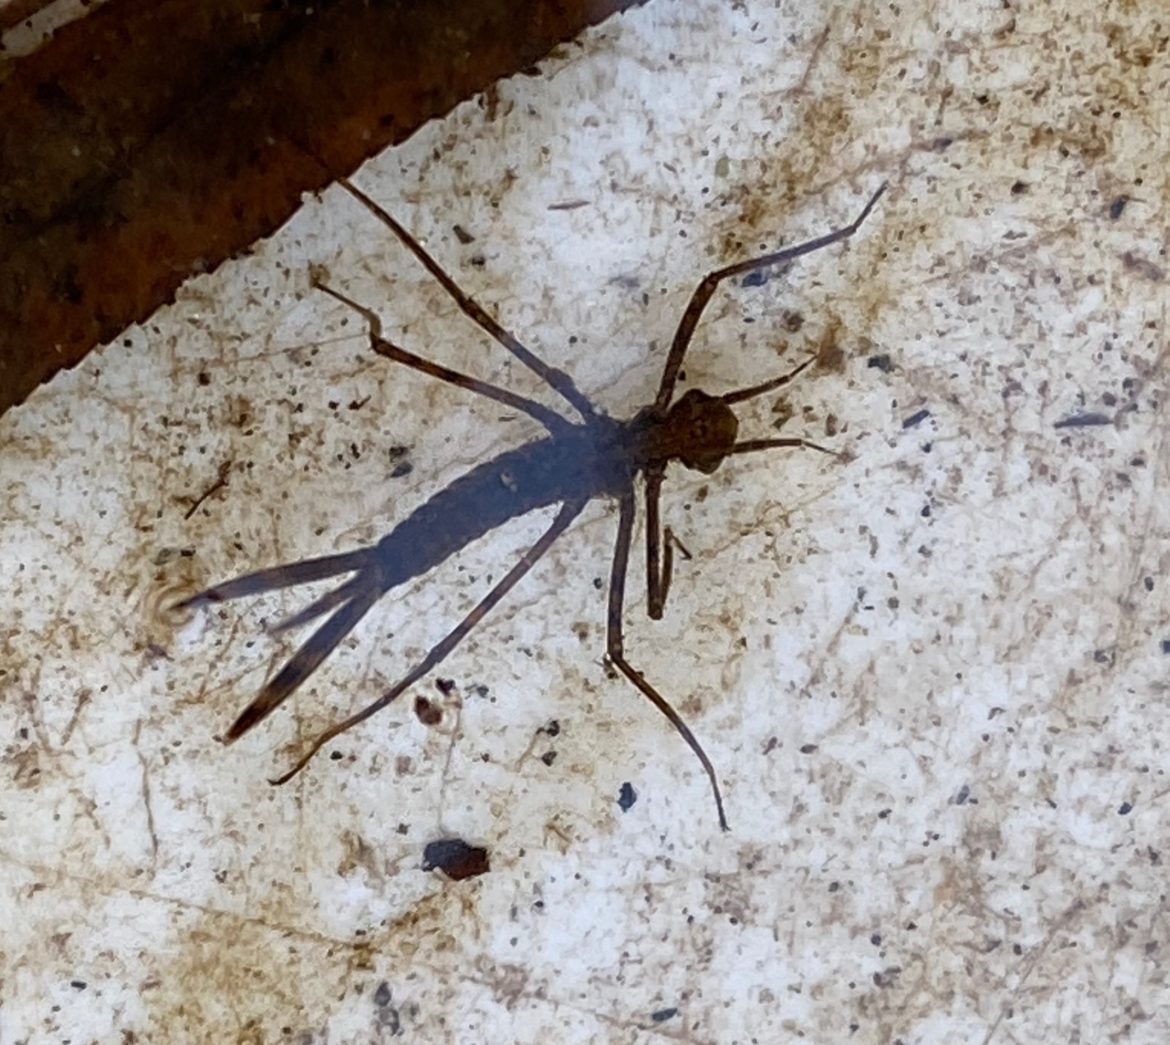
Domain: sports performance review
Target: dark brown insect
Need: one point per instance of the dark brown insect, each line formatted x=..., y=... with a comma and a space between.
x=573, y=463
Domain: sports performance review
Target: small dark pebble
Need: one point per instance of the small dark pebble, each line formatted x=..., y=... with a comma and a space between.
x=662, y=1015
x=627, y=796
x=1090, y=420
x=382, y=995
x=1124, y=809
x=428, y=714
x=880, y=362
x=1117, y=206
x=915, y=419
x=455, y=858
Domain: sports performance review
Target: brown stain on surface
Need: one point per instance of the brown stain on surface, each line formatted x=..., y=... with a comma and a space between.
x=147, y=143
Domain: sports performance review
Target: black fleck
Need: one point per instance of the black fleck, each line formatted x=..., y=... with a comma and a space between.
x=627, y=796
x=1088, y=420
x=455, y=858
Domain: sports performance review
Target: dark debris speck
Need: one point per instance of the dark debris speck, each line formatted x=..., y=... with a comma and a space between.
x=627, y=796
x=1086, y=420
x=455, y=858
x=428, y=714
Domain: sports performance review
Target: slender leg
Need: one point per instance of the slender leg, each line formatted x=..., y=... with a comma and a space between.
x=750, y=446
x=704, y=291
x=742, y=394
x=655, y=596
x=614, y=645
x=669, y=543
x=568, y=512
x=660, y=545
x=557, y=379
x=549, y=418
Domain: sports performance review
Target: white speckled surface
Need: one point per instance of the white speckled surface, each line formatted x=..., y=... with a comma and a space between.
x=930, y=673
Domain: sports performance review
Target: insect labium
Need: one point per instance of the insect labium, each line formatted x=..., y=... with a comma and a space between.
x=592, y=455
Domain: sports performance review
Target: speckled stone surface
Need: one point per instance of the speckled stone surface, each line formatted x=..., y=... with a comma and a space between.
x=930, y=671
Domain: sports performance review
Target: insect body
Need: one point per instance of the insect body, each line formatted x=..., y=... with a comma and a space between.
x=574, y=463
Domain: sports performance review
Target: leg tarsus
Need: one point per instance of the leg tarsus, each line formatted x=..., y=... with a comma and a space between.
x=703, y=292
x=742, y=394
x=388, y=350
x=614, y=646
x=750, y=446
x=556, y=379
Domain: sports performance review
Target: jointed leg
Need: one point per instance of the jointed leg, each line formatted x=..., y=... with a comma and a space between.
x=440, y=650
x=614, y=645
x=743, y=394
x=557, y=379
x=660, y=545
x=549, y=418
x=750, y=446
x=704, y=291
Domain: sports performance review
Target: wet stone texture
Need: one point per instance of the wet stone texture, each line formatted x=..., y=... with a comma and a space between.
x=930, y=670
